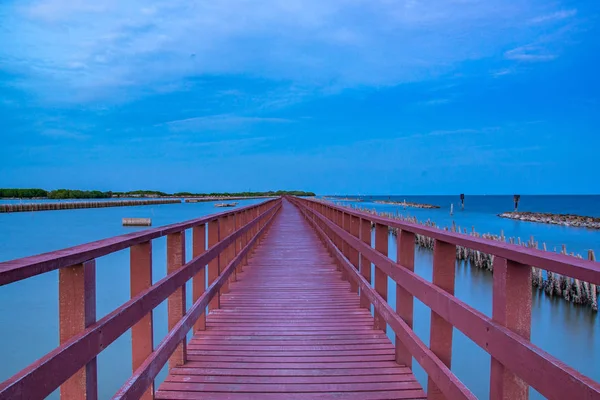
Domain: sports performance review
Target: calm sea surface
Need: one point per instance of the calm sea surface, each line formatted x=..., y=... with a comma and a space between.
x=29, y=309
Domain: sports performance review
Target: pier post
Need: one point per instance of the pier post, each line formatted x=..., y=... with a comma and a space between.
x=77, y=311
x=142, y=333
x=199, y=280
x=511, y=307
x=352, y=252
x=213, y=265
x=365, y=263
x=404, y=300
x=381, y=245
x=444, y=271
x=176, y=301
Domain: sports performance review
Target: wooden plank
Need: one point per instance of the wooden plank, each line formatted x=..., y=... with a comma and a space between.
x=46, y=374
x=379, y=395
x=142, y=333
x=199, y=280
x=176, y=302
x=511, y=307
x=22, y=268
x=289, y=326
x=77, y=311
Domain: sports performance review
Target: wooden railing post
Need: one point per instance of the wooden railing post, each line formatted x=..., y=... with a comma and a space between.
x=381, y=245
x=354, y=229
x=224, y=257
x=199, y=280
x=176, y=301
x=404, y=300
x=365, y=263
x=77, y=310
x=213, y=265
x=511, y=307
x=444, y=271
x=345, y=225
x=142, y=333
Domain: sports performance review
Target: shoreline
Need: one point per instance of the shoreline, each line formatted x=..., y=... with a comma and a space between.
x=568, y=220
x=574, y=291
x=26, y=207
x=407, y=204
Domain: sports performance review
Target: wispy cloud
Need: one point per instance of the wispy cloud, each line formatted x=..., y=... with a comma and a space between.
x=220, y=122
x=64, y=134
x=502, y=72
x=530, y=53
x=124, y=47
x=555, y=16
x=434, y=102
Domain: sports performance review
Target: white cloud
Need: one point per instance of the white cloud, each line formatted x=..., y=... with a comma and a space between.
x=219, y=122
x=106, y=48
x=530, y=53
x=556, y=16
x=63, y=134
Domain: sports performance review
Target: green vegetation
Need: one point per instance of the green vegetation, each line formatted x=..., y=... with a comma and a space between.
x=141, y=193
x=78, y=194
x=60, y=194
x=248, y=194
x=22, y=193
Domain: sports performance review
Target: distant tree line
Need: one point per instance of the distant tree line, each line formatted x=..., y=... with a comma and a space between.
x=60, y=194
x=78, y=194
x=23, y=193
x=140, y=193
x=248, y=194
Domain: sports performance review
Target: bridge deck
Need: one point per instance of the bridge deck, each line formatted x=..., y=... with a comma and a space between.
x=290, y=328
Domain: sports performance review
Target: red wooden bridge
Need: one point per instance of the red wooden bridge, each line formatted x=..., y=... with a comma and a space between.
x=282, y=293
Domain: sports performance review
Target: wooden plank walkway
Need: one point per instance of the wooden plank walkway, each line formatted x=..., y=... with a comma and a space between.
x=290, y=328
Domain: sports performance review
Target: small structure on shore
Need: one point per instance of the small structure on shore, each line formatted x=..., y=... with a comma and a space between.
x=137, y=222
x=226, y=204
x=516, y=198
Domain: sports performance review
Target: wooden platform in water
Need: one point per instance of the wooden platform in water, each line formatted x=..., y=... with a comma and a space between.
x=290, y=328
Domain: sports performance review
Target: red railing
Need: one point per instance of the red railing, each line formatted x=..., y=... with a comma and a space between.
x=72, y=365
x=516, y=362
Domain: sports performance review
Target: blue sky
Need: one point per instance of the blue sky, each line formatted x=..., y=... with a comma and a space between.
x=347, y=96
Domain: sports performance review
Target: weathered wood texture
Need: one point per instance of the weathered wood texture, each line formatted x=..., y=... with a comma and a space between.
x=290, y=328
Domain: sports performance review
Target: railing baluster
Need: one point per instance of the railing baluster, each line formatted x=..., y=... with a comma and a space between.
x=353, y=257
x=365, y=263
x=77, y=310
x=176, y=301
x=381, y=245
x=213, y=265
x=199, y=280
x=404, y=300
x=345, y=225
x=511, y=307
x=142, y=334
x=444, y=271
x=224, y=257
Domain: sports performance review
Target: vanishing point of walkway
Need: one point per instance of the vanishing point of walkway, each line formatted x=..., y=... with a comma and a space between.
x=290, y=328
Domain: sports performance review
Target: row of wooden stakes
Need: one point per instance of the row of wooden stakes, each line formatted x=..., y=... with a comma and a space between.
x=553, y=284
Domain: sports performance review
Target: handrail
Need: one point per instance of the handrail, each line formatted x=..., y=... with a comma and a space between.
x=26, y=267
x=505, y=336
x=78, y=352
x=451, y=387
x=585, y=270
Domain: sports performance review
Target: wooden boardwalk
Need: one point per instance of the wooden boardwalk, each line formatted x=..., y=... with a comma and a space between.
x=290, y=328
